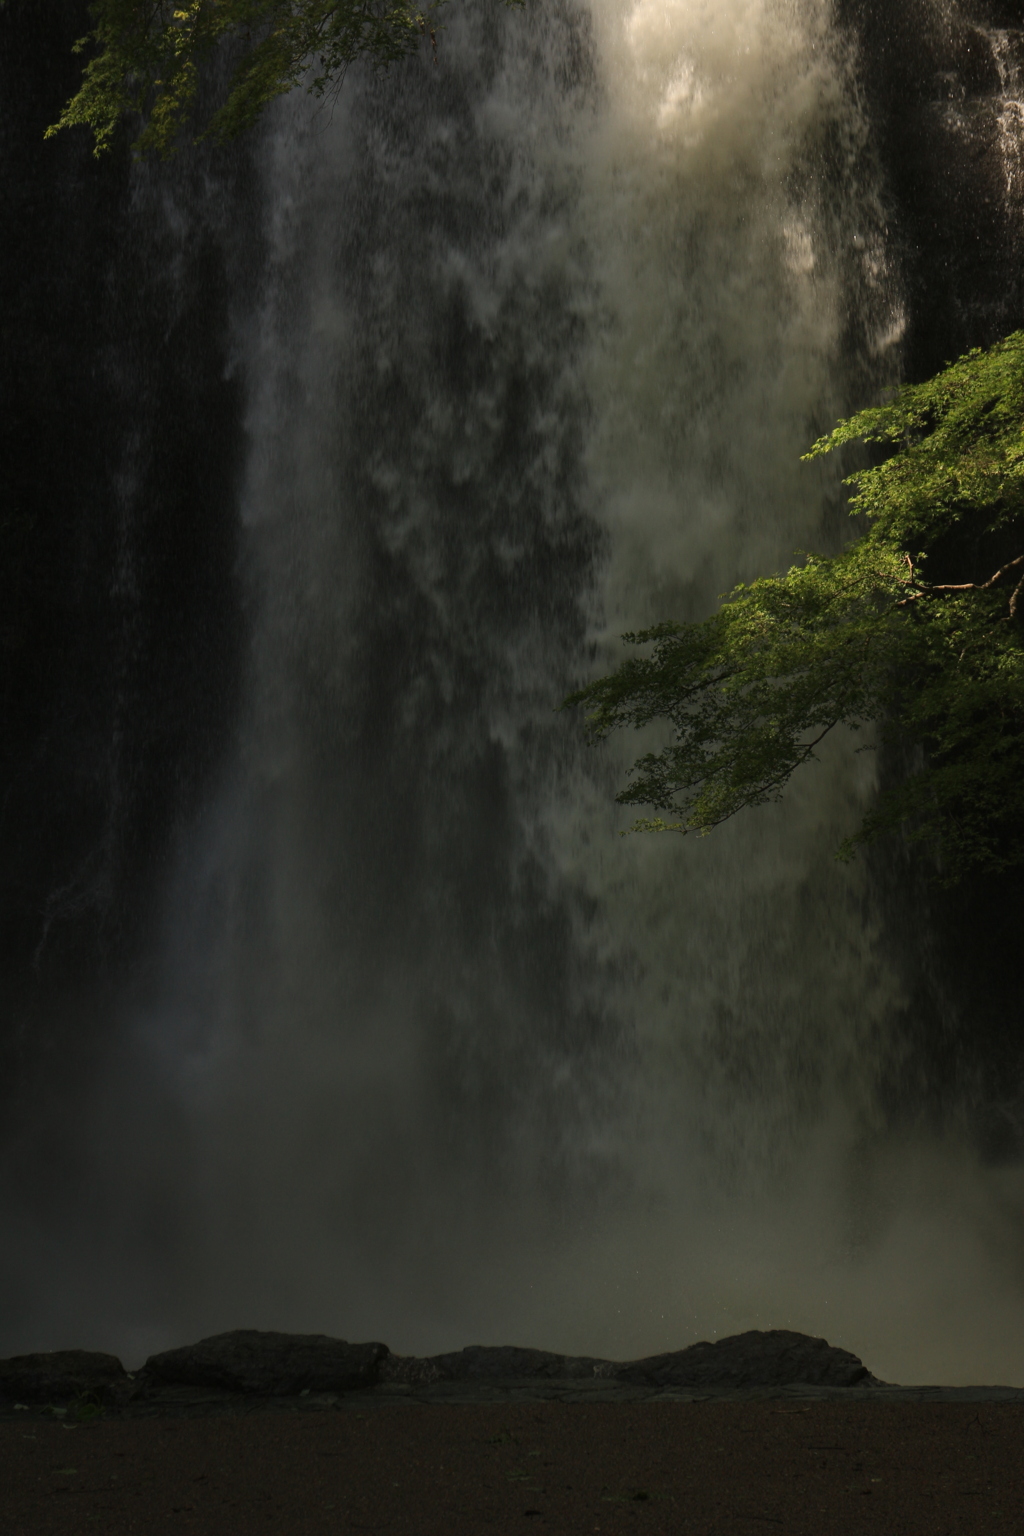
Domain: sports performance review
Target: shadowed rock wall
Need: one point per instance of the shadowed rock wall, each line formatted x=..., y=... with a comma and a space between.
x=120, y=442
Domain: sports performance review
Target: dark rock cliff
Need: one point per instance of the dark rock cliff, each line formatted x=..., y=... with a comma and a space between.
x=942, y=88
x=120, y=443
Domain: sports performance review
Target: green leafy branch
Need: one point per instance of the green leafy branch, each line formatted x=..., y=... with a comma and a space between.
x=147, y=59
x=751, y=692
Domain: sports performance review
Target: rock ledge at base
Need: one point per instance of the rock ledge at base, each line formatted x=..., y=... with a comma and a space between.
x=248, y=1363
x=775, y=1358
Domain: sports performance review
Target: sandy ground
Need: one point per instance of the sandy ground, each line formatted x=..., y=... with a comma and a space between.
x=414, y=1469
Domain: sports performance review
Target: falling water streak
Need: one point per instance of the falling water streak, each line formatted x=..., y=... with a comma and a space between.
x=1006, y=48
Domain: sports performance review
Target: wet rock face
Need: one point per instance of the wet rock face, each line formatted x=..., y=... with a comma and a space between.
x=268, y=1364
x=939, y=84
x=60, y=1376
x=249, y=1363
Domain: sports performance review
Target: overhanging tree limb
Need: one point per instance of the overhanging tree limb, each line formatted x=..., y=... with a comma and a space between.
x=862, y=637
x=147, y=59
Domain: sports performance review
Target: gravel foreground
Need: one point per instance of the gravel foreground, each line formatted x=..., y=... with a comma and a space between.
x=175, y=1402
x=655, y=1468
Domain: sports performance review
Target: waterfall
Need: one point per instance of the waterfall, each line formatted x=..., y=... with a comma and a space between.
x=542, y=335
x=429, y=1052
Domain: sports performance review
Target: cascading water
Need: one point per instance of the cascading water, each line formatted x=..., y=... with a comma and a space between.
x=432, y=1053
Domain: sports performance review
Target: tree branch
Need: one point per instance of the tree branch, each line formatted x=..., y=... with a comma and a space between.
x=925, y=589
x=975, y=586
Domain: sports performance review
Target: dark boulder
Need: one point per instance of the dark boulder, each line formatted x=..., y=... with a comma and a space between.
x=60, y=1375
x=268, y=1364
x=777, y=1358
x=774, y=1359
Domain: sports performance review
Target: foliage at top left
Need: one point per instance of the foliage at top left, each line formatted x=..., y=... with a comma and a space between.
x=147, y=59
